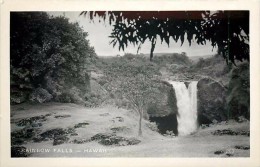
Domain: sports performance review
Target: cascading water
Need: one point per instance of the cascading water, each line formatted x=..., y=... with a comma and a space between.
x=187, y=107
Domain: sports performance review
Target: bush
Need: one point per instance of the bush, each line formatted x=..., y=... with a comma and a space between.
x=153, y=126
x=64, y=98
x=71, y=96
x=40, y=95
x=94, y=99
x=18, y=97
x=102, y=81
x=122, y=103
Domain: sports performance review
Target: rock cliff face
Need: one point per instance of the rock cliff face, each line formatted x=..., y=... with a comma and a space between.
x=212, y=104
x=165, y=111
x=165, y=105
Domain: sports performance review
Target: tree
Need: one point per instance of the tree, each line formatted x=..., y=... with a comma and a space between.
x=139, y=91
x=48, y=53
x=134, y=79
x=227, y=30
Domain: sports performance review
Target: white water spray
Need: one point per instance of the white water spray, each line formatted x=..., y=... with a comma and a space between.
x=187, y=107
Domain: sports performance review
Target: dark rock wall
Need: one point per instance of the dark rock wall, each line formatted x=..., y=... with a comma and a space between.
x=165, y=111
x=165, y=105
x=211, y=101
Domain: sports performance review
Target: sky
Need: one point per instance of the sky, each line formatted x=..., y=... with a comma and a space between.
x=99, y=38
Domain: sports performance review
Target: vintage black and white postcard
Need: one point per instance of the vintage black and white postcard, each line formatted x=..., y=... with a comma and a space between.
x=144, y=81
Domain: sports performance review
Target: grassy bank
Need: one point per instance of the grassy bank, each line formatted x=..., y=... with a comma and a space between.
x=84, y=123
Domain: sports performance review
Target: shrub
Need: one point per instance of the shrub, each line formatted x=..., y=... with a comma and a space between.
x=18, y=97
x=71, y=96
x=153, y=126
x=40, y=95
x=94, y=99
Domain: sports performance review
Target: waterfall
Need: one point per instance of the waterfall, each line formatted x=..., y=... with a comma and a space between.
x=187, y=107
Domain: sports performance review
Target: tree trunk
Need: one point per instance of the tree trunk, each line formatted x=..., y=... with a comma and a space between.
x=152, y=47
x=140, y=133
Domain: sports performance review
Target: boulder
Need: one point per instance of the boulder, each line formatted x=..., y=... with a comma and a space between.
x=60, y=140
x=241, y=147
x=32, y=121
x=113, y=140
x=230, y=132
x=74, y=134
x=81, y=141
x=52, y=133
x=212, y=103
x=81, y=125
x=219, y=152
x=101, y=136
x=119, y=141
x=133, y=141
x=120, y=129
x=61, y=116
x=109, y=139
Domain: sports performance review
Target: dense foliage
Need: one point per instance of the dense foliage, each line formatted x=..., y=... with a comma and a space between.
x=49, y=58
x=227, y=30
x=239, y=92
